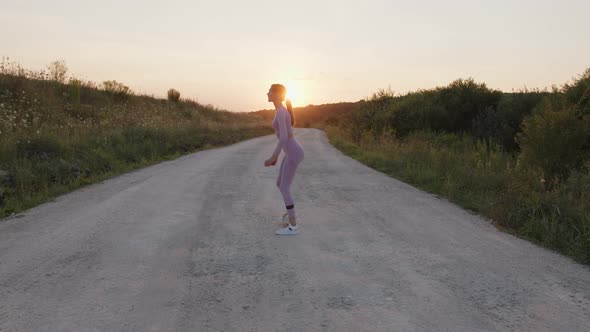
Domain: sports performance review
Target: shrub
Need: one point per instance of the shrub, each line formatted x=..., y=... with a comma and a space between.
x=501, y=124
x=371, y=116
x=553, y=141
x=173, y=95
x=462, y=100
x=556, y=137
x=118, y=91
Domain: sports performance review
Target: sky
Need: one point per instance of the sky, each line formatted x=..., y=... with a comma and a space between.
x=228, y=53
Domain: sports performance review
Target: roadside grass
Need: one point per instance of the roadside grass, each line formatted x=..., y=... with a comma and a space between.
x=486, y=180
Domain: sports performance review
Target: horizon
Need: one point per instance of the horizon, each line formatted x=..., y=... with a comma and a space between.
x=227, y=54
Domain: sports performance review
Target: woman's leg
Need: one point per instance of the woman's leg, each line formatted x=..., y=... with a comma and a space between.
x=284, y=183
x=278, y=183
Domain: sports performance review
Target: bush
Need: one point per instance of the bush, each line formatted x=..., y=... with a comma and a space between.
x=372, y=116
x=173, y=95
x=462, y=101
x=501, y=124
x=118, y=91
x=554, y=142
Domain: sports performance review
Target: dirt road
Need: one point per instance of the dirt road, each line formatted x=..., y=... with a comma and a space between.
x=188, y=245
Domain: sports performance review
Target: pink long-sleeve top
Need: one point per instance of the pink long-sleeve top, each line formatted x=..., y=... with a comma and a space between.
x=282, y=125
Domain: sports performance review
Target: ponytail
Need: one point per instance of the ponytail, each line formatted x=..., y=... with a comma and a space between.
x=290, y=109
x=280, y=90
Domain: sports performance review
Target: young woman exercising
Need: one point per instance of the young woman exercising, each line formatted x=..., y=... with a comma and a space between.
x=283, y=124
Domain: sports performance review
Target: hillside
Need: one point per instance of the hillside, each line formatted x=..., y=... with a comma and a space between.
x=314, y=115
x=57, y=134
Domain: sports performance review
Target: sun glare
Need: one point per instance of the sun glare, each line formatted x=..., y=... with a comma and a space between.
x=292, y=92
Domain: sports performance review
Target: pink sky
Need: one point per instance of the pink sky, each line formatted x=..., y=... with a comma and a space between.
x=227, y=53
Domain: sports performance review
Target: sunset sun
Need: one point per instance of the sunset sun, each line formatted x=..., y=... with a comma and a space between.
x=293, y=92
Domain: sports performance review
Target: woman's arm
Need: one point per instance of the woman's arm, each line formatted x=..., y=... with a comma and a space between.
x=282, y=120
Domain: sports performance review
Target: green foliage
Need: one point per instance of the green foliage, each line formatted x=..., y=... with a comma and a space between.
x=556, y=136
x=452, y=108
x=372, y=117
x=501, y=124
x=462, y=100
x=554, y=141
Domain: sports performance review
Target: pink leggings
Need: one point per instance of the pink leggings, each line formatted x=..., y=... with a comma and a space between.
x=293, y=156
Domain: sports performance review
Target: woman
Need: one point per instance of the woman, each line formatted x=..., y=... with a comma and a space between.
x=283, y=124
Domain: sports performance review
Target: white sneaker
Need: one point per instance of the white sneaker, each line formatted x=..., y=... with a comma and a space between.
x=289, y=230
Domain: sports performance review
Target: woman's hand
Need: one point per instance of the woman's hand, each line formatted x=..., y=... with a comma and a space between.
x=271, y=161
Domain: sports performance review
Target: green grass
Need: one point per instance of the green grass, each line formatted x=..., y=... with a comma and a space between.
x=486, y=181
x=42, y=168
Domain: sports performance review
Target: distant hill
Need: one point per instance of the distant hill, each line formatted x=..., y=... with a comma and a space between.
x=315, y=115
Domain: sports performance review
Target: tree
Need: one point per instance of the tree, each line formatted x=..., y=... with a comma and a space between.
x=57, y=71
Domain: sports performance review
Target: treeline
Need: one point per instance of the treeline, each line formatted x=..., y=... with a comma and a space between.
x=547, y=129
